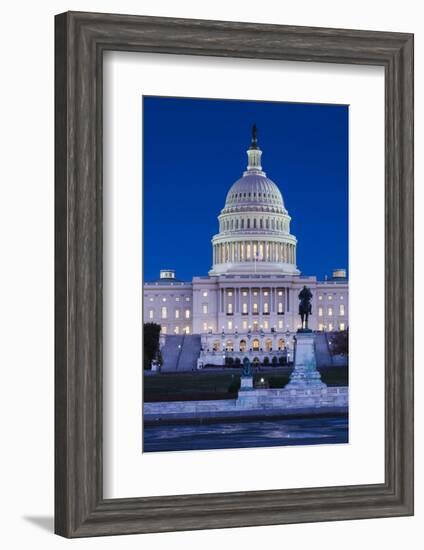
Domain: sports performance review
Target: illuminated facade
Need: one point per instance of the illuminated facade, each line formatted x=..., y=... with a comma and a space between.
x=248, y=302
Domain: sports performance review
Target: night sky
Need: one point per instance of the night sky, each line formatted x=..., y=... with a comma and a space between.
x=195, y=149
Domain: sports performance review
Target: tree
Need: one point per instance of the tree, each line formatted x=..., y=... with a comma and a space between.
x=237, y=361
x=281, y=360
x=151, y=334
x=339, y=343
x=229, y=361
x=274, y=361
x=266, y=360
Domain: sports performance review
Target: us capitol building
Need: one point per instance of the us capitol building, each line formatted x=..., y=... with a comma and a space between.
x=247, y=305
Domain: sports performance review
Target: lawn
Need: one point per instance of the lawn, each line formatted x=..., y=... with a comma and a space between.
x=223, y=384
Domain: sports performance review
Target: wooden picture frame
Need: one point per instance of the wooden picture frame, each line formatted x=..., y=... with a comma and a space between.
x=81, y=39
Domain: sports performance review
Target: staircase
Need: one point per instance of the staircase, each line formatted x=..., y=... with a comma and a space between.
x=322, y=350
x=190, y=352
x=180, y=353
x=171, y=352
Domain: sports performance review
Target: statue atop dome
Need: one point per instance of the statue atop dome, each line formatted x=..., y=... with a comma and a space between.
x=254, y=143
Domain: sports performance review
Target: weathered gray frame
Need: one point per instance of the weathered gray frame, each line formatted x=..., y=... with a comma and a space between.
x=81, y=39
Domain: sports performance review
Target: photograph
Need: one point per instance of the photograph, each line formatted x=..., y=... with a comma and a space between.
x=245, y=273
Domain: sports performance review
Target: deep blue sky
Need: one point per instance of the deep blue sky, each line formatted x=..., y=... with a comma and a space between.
x=195, y=149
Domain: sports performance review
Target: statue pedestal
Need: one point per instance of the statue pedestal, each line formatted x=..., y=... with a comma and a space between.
x=246, y=383
x=305, y=371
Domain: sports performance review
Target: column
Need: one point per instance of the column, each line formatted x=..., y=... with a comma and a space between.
x=287, y=291
x=250, y=302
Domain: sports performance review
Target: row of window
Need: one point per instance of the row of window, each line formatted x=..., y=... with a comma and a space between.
x=330, y=311
x=330, y=327
x=177, y=298
x=329, y=297
x=265, y=325
x=177, y=330
x=256, y=345
x=164, y=313
x=255, y=308
x=254, y=223
x=260, y=195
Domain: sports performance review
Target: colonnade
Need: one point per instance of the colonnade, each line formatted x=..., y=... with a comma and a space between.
x=248, y=251
x=253, y=301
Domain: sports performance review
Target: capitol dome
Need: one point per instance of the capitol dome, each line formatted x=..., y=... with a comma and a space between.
x=254, y=225
x=255, y=189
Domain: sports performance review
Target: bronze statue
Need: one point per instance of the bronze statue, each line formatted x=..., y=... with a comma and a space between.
x=305, y=308
x=247, y=368
x=254, y=143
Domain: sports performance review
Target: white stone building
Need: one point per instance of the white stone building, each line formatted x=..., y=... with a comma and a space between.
x=248, y=303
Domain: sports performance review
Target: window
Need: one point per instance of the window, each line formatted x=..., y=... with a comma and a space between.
x=164, y=312
x=266, y=307
x=151, y=313
x=230, y=325
x=266, y=324
x=177, y=314
x=280, y=307
x=330, y=311
x=177, y=299
x=330, y=327
x=341, y=297
x=280, y=293
x=163, y=299
x=320, y=297
x=230, y=293
x=330, y=297
x=187, y=330
x=341, y=310
x=187, y=314
x=205, y=327
x=320, y=312
x=230, y=309
x=244, y=293
x=205, y=309
x=205, y=294
x=255, y=308
x=321, y=327
x=242, y=345
x=187, y=299
x=164, y=330
x=341, y=326
x=265, y=293
x=151, y=299
x=280, y=324
x=244, y=308
x=244, y=325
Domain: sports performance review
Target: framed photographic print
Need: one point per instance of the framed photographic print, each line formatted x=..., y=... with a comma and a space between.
x=234, y=274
